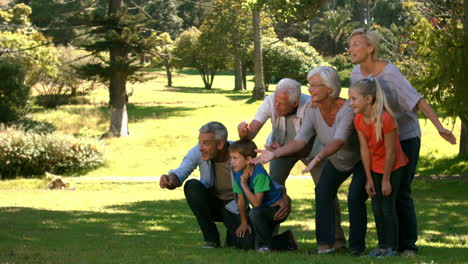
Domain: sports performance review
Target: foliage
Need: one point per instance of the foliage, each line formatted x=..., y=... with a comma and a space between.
x=51, y=17
x=333, y=27
x=164, y=17
x=27, y=153
x=64, y=87
x=193, y=13
x=28, y=47
x=200, y=50
x=121, y=30
x=438, y=55
x=343, y=66
x=14, y=94
x=289, y=58
x=162, y=46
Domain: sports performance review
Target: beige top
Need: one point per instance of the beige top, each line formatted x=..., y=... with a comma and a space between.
x=222, y=181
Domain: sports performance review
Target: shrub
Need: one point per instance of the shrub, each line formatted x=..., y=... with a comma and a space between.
x=343, y=66
x=288, y=58
x=27, y=153
x=14, y=95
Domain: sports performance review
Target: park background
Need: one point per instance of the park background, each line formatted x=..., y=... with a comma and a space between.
x=114, y=211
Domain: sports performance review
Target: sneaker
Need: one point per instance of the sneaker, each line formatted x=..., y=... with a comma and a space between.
x=323, y=251
x=211, y=244
x=264, y=250
x=408, y=253
x=376, y=253
x=292, y=241
x=388, y=253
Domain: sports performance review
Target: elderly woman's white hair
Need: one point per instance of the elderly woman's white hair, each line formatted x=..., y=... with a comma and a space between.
x=329, y=77
x=371, y=37
x=290, y=87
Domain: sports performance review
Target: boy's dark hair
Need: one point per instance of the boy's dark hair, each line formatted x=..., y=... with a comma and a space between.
x=245, y=147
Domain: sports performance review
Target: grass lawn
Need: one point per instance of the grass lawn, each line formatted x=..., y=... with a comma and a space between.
x=140, y=223
x=115, y=222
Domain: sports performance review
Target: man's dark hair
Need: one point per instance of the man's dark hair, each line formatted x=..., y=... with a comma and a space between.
x=245, y=147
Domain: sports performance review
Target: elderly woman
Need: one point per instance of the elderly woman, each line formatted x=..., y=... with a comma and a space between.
x=332, y=124
x=405, y=101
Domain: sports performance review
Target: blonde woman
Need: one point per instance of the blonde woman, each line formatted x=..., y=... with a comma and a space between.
x=404, y=102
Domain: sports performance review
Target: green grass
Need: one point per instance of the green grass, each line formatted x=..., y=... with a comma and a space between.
x=140, y=223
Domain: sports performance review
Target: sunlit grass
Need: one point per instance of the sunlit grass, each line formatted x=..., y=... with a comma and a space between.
x=105, y=222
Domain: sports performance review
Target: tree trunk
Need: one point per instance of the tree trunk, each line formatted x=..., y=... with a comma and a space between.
x=463, y=153
x=167, y=65
x=238, y=80
x=259, y=88
x=117, y=87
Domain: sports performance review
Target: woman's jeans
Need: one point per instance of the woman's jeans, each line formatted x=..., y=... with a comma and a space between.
x=325, y=193
x=408, y=234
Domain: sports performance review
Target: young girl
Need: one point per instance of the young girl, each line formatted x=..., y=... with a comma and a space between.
x=383, y=159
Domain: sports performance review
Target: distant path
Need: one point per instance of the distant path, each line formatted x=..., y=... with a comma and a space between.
x=156, y=178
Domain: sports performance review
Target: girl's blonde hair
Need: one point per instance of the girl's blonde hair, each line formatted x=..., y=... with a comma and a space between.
x=371, y=37
x=371, y=87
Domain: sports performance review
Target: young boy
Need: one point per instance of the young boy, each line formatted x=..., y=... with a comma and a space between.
x=252, y=183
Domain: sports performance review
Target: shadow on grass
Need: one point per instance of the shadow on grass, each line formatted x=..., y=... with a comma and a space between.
x=140, y=112
x=167, y=232
x=451, y=166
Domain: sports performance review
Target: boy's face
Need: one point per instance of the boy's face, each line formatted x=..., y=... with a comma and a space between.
x=239, y=162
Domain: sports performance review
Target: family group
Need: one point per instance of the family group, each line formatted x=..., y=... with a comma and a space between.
x=374, y=135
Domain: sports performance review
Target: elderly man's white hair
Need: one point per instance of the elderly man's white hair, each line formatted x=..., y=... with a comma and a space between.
x=290, y=87
x=329, y=77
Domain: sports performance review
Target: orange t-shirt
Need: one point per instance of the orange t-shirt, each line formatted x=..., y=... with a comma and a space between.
x=377, y=148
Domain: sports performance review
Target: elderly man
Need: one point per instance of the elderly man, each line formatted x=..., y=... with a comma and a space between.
x=211, y=198
x=286, y=108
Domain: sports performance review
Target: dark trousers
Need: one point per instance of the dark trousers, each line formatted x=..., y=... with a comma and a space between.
x=208, y=209
x=408, y=234
x=357, y=197
x=279, y=172
x=325, y=193
x=263, y=224
x=384, y=208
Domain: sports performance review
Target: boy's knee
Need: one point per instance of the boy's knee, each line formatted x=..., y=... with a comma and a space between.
x=255, y=214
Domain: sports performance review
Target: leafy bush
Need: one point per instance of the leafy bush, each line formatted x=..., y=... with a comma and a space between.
x=343, y=66
x=27, y=153
x=64, y=87
x=288, y=58
x=14, y=94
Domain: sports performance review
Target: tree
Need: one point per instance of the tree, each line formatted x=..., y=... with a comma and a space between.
x=200, y=50
x=193, y=12
x=14, y=94
x=333, y=27
x=289, y=58
x=23, y=44
x=120, y=38
x=162, y=51
x=437, y=62
x=230, y=21
x=281, y=10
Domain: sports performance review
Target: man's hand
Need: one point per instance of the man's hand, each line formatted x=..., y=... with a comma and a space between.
x=243, y=130
x=169, y=181
x=265, y=156
x=285, y=207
